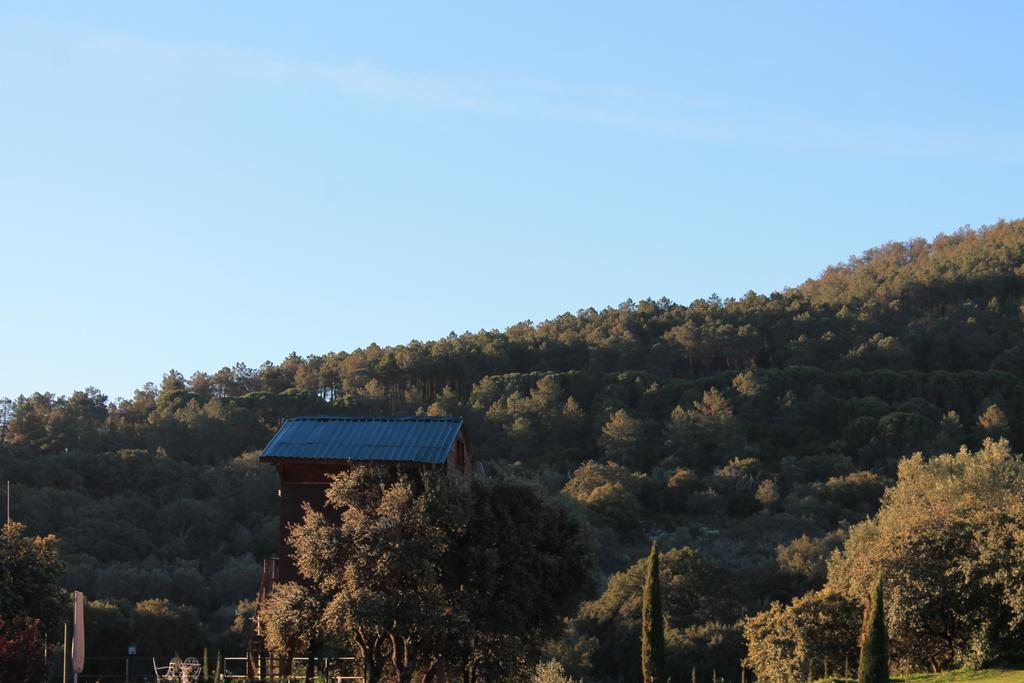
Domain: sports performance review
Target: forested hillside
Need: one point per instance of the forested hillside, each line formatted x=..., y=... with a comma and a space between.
x=744, y=435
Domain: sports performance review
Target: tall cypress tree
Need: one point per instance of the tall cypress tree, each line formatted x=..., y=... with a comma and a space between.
x=652, y=637
x=874, y=648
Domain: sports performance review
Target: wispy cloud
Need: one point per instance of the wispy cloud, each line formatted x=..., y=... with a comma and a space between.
x=647, y=111
x=764, y=126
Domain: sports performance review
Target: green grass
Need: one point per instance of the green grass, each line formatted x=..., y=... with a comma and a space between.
x=987, y=675
x=962, y=676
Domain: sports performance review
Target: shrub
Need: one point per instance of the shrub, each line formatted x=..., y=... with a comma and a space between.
x=21, y=651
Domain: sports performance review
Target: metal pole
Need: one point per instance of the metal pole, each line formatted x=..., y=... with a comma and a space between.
x=126, y=660
x=64, y=675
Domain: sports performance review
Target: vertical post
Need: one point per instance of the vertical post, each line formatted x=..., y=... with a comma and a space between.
x=64, y=660
x=126, y=660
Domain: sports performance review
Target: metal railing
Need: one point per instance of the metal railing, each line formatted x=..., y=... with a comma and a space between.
x=110, y=669
x=140, y=670
x=234, y=669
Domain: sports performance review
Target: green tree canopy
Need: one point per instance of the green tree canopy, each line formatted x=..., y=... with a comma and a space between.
x=423, y=573
x=159, y=628
x=873, y=666
x=793, y=642
x=947, y=585
x=947, y=539
x=29, y=572
x=606, y=634
x=652, y=625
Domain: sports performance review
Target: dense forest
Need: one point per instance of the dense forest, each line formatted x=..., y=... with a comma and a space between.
x=745, y=436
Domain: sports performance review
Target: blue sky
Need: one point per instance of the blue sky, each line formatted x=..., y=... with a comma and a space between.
x=189, y=185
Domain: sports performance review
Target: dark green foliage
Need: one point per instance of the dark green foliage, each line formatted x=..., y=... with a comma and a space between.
x=108, y=624
x=652, y=628
x=136, y=525
x=479, y=577
x=874, y=648
x=699, y=613
x=514, y=610
x=29, y=571
x=161, y=627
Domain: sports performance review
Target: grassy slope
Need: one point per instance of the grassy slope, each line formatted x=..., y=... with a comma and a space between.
x=987, y=675
x=983, y=676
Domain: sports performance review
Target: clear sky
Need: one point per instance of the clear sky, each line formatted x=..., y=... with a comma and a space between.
x=187, y=185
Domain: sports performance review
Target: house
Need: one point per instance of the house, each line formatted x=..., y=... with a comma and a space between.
x=306, y=451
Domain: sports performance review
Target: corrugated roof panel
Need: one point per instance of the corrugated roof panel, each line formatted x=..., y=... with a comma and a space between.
x=400, y=439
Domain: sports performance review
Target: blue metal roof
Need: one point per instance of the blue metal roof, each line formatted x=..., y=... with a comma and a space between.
x=403, y=439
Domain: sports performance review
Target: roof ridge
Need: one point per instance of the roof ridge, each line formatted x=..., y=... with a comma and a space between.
x=381, y=418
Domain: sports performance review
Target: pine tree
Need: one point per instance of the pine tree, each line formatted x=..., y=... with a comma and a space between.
x=874, y=648
x=652, y=643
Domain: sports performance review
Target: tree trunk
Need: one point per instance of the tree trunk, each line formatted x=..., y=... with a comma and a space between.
x=402, y=659
x=435, y=672
x=371, y=671
x=310, y=661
